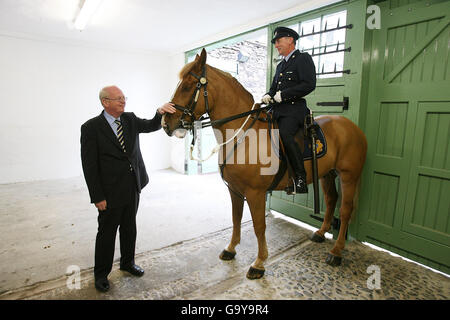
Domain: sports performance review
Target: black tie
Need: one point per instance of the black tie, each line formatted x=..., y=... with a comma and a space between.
x=120, y=134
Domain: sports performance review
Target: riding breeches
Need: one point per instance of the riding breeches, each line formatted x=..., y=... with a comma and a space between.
x=288, y=127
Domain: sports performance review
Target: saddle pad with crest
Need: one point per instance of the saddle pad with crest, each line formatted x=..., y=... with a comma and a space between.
x=321, y=145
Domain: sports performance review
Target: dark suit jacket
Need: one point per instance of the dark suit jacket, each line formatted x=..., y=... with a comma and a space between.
x=295, y=79
x=107, y=169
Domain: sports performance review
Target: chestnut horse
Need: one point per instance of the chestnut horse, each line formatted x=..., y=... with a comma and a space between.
x=346, y=153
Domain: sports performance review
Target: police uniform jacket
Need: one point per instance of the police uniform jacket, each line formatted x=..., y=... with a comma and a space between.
x=295, y=79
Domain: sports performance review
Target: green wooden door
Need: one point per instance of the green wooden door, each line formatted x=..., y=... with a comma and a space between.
x=405, y=197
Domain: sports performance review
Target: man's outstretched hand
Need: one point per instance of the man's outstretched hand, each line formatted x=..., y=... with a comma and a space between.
x=168, y=107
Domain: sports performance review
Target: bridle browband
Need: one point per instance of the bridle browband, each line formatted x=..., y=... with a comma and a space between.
x=189, y=110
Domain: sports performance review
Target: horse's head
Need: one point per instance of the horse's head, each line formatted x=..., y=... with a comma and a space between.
x=190, y=98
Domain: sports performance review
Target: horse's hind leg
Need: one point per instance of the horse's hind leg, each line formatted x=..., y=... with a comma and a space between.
x=256, y=202
x=331, y=196
x=238, y=207
x=348, y=184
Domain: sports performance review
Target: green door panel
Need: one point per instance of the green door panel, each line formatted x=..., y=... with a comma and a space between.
x=404, y=205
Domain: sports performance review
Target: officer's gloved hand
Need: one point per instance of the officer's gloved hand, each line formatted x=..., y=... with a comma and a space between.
x=266, y=99
x=277, y=96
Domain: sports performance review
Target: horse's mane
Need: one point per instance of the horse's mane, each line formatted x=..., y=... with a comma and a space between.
x=234, y=82
x=186, y=69
x=225, y=75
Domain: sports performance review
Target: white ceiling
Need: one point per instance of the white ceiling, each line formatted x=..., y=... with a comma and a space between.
x=150, y=25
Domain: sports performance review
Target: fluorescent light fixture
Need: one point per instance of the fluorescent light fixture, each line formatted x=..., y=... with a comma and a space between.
x=86, y=12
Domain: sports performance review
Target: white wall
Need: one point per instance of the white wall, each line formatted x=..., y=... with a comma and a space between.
x=47, y=90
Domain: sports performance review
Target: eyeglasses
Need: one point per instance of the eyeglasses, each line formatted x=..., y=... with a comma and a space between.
x=118, y=99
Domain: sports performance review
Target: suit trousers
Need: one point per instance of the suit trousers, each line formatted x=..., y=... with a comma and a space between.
x=124, y=218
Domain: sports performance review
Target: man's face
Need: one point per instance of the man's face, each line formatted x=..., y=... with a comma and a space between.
x=284, y=45
x=115, y=102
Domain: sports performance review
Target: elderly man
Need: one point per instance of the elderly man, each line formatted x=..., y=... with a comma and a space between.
x=115, y=175
x=295, y=77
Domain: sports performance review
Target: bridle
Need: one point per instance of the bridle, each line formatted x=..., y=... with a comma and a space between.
x=189, y=111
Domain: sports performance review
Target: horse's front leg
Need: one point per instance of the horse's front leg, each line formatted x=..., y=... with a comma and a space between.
x=238, y=207
x=256, y=202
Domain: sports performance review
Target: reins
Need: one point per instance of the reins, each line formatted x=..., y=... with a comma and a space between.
x=233, y=117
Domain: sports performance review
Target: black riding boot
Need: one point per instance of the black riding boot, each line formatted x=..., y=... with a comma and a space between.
x=296, y=160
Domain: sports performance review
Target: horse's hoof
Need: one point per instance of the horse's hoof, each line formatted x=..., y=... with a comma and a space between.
x=333, y=260
x=317, y=238
x=226, y=255
x=253, y=273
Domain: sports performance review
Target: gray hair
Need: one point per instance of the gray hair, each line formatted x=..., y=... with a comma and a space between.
x=104, y=93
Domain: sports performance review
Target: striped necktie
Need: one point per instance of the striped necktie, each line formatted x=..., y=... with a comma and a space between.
x=120, y=134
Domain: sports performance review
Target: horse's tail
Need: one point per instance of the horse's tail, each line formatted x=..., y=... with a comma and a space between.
x=356, y=198
x=358, y=184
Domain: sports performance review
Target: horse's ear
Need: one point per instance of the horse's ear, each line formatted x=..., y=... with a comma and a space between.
x=196, y=57
x=203, y=58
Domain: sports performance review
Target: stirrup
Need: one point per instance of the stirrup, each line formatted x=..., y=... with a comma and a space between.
x=295, y=188
x=291, y=189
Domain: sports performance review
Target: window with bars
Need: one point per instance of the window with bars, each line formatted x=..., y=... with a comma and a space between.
x=327, y=48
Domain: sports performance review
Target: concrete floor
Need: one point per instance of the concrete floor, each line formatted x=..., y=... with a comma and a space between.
x=183, y=224
x=47, y=226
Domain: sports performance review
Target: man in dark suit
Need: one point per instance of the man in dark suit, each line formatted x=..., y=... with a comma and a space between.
x=115, y=175
x=295, y=77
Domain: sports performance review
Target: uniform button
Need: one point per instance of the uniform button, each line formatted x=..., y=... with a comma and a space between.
x=279, y=82
x=289, y=78
x=281, y=74
x=292, y=102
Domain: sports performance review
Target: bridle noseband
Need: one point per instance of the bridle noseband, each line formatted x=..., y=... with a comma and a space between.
x=189, y=110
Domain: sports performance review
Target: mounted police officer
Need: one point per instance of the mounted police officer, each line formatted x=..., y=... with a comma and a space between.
x=295, y=77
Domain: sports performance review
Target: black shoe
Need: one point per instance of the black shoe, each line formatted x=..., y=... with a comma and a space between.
x=135, y=270
x=102, y=284
x=300, y=186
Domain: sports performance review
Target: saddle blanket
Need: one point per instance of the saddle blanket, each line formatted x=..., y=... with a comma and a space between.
x=321, y=145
